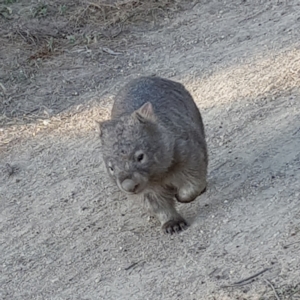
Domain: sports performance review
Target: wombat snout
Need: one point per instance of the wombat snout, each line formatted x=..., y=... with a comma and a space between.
x=129, y=186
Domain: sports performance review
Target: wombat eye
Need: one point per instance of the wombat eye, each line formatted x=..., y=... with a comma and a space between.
x=110, y=168
x=140, y=157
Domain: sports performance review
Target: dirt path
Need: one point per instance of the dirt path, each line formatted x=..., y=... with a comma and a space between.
x=67, y=233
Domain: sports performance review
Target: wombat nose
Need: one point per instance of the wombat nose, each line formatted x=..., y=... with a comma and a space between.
x=129, y=185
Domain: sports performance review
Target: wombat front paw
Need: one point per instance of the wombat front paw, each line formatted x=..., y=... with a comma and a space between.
x=203, y=191
x=174, y=226
x=187, y=196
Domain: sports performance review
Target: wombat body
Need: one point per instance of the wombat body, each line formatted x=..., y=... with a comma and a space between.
x=154, y=146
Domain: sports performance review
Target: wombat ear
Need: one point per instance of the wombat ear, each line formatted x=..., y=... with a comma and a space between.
x=100, y=127
x=145, y=113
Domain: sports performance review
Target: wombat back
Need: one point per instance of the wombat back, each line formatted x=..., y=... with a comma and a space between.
x=172, y=103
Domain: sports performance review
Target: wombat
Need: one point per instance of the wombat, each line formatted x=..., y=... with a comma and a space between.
x=154, y=146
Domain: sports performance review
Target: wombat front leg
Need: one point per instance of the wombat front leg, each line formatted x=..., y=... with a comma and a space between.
x=190, y=191
x=192, y=183
x=163, y=206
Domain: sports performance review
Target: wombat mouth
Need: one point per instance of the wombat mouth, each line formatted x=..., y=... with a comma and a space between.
x=130, y=187
x=132, y=193
x=128, y=193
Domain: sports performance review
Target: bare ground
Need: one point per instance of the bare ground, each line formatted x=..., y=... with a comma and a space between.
x=67, y=233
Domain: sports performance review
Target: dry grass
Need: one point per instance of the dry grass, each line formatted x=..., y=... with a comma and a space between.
x=38, y=21
x=112, y=12
x=33, y=33
x=50, y=27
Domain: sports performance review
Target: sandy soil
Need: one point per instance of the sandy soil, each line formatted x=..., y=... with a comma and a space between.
x=65, y=230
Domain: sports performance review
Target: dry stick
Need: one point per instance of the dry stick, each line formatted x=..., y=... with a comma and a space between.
x=236, y=285
x=253, y=276
x=131, y=266
x=286, y=246
x=10, y=169
x=271, y=285
x=100, y=6
x=290, y=296
x=242, y=282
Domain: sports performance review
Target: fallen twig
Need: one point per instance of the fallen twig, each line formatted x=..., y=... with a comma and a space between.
x=246, y=280
x=286, y=246
x=109, y=51
x=131, y=266
x=272, y=286
x=236, y=285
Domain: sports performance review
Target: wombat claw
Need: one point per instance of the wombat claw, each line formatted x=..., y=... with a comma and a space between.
x=174, y=226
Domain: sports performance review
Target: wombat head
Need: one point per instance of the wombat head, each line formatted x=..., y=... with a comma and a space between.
x=136, y=149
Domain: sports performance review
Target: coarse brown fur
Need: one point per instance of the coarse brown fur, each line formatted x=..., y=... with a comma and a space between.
x=154, y=146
